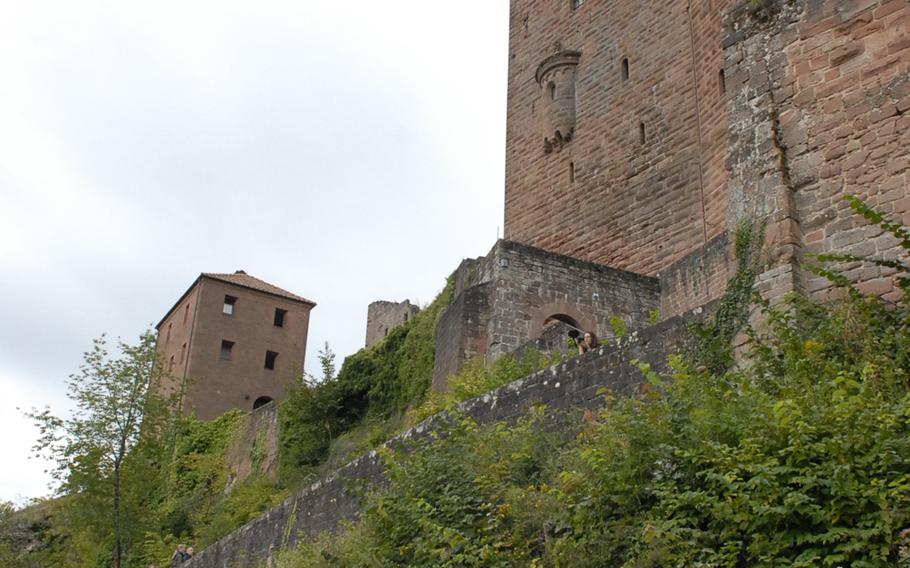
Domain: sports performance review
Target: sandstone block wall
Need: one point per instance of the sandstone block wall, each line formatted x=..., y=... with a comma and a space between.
x=461, y=333
x=576, y=383
x=642, y=182
x=698, y=278
x=818, y=110
x=254, y=450
x=511, y=296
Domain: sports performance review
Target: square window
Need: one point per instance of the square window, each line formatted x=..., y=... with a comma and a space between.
x=226, y=347
x=270, y=358
x=279, y=317
x=229, y=302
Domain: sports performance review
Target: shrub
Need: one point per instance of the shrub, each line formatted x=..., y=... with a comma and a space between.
x=797, y=456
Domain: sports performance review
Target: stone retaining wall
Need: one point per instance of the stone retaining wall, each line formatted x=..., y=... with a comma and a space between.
x=576, y=383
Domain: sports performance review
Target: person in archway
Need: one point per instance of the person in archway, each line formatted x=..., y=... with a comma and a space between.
x=179, y=556
x=589, y=343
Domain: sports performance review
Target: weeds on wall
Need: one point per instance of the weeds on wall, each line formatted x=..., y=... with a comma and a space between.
x=714, y=348
x=799, y=457
x=373, y=388
x=477, y=378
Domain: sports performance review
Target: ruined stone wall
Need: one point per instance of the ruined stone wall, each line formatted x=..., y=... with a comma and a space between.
x=818, y=110
x=461, y=332
x=254, y=451
x=383, y=316
x=577, y=383
x=533, y=285
x=698, y=278
x=641, y=181
x=509, y=296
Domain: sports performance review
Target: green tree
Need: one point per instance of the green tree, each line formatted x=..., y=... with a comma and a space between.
x=327, y=362
x=116, y=410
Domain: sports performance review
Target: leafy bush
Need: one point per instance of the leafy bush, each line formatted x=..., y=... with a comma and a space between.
x=374, y=384
x=799, y=456
x=477, y=378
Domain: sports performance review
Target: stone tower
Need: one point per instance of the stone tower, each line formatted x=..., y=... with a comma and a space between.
x=233, y=341
x=641, y=132
x=383, y=316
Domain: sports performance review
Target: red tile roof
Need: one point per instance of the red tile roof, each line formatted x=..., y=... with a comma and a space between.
x=244, y=280
x=241, y=278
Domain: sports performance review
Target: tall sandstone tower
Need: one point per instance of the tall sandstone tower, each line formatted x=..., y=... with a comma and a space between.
x=641, y=131
x=617, y=129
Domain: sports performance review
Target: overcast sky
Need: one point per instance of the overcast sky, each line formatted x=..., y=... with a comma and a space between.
x=346, y=151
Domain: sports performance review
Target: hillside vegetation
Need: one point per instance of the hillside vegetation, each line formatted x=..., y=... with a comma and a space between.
x=177, y=487
x=798, y=455
x=795, y=454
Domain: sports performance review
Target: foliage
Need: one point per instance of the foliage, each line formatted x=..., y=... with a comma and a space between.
x=620, y=329
x=477, y=378
x=198, y=502
x=29, y=537
x=327, y=362
x=900, y=234
x=114, y=402
x=246, y=501
x=714, y=349
x=799, y=457
x=374, y=385
x=180, y=492
x=654, y=316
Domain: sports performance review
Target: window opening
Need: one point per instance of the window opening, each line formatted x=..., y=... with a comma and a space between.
x=261, y=401
x=551, y=87
x=722, y=82
x=641, y=132
x=625, y=69
x=279, y=317
x=571, y=172
x=577, y=4
x=183, y=354
x=229, y=302
x=226, y=347
x=270, y=358
x=168, y=338
x=186, y=312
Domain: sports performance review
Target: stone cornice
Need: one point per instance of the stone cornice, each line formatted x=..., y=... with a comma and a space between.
x=562, y=58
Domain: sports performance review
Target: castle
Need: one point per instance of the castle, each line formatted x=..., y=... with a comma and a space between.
x=640, y=134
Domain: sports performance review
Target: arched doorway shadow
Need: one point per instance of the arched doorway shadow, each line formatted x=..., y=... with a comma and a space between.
x=561, y=313
x=261, y=401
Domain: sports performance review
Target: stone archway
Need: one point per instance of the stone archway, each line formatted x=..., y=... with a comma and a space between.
x=562, y=312
x=261, y=401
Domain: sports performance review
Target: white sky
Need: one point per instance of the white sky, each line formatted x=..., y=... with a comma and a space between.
x=346, y=151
